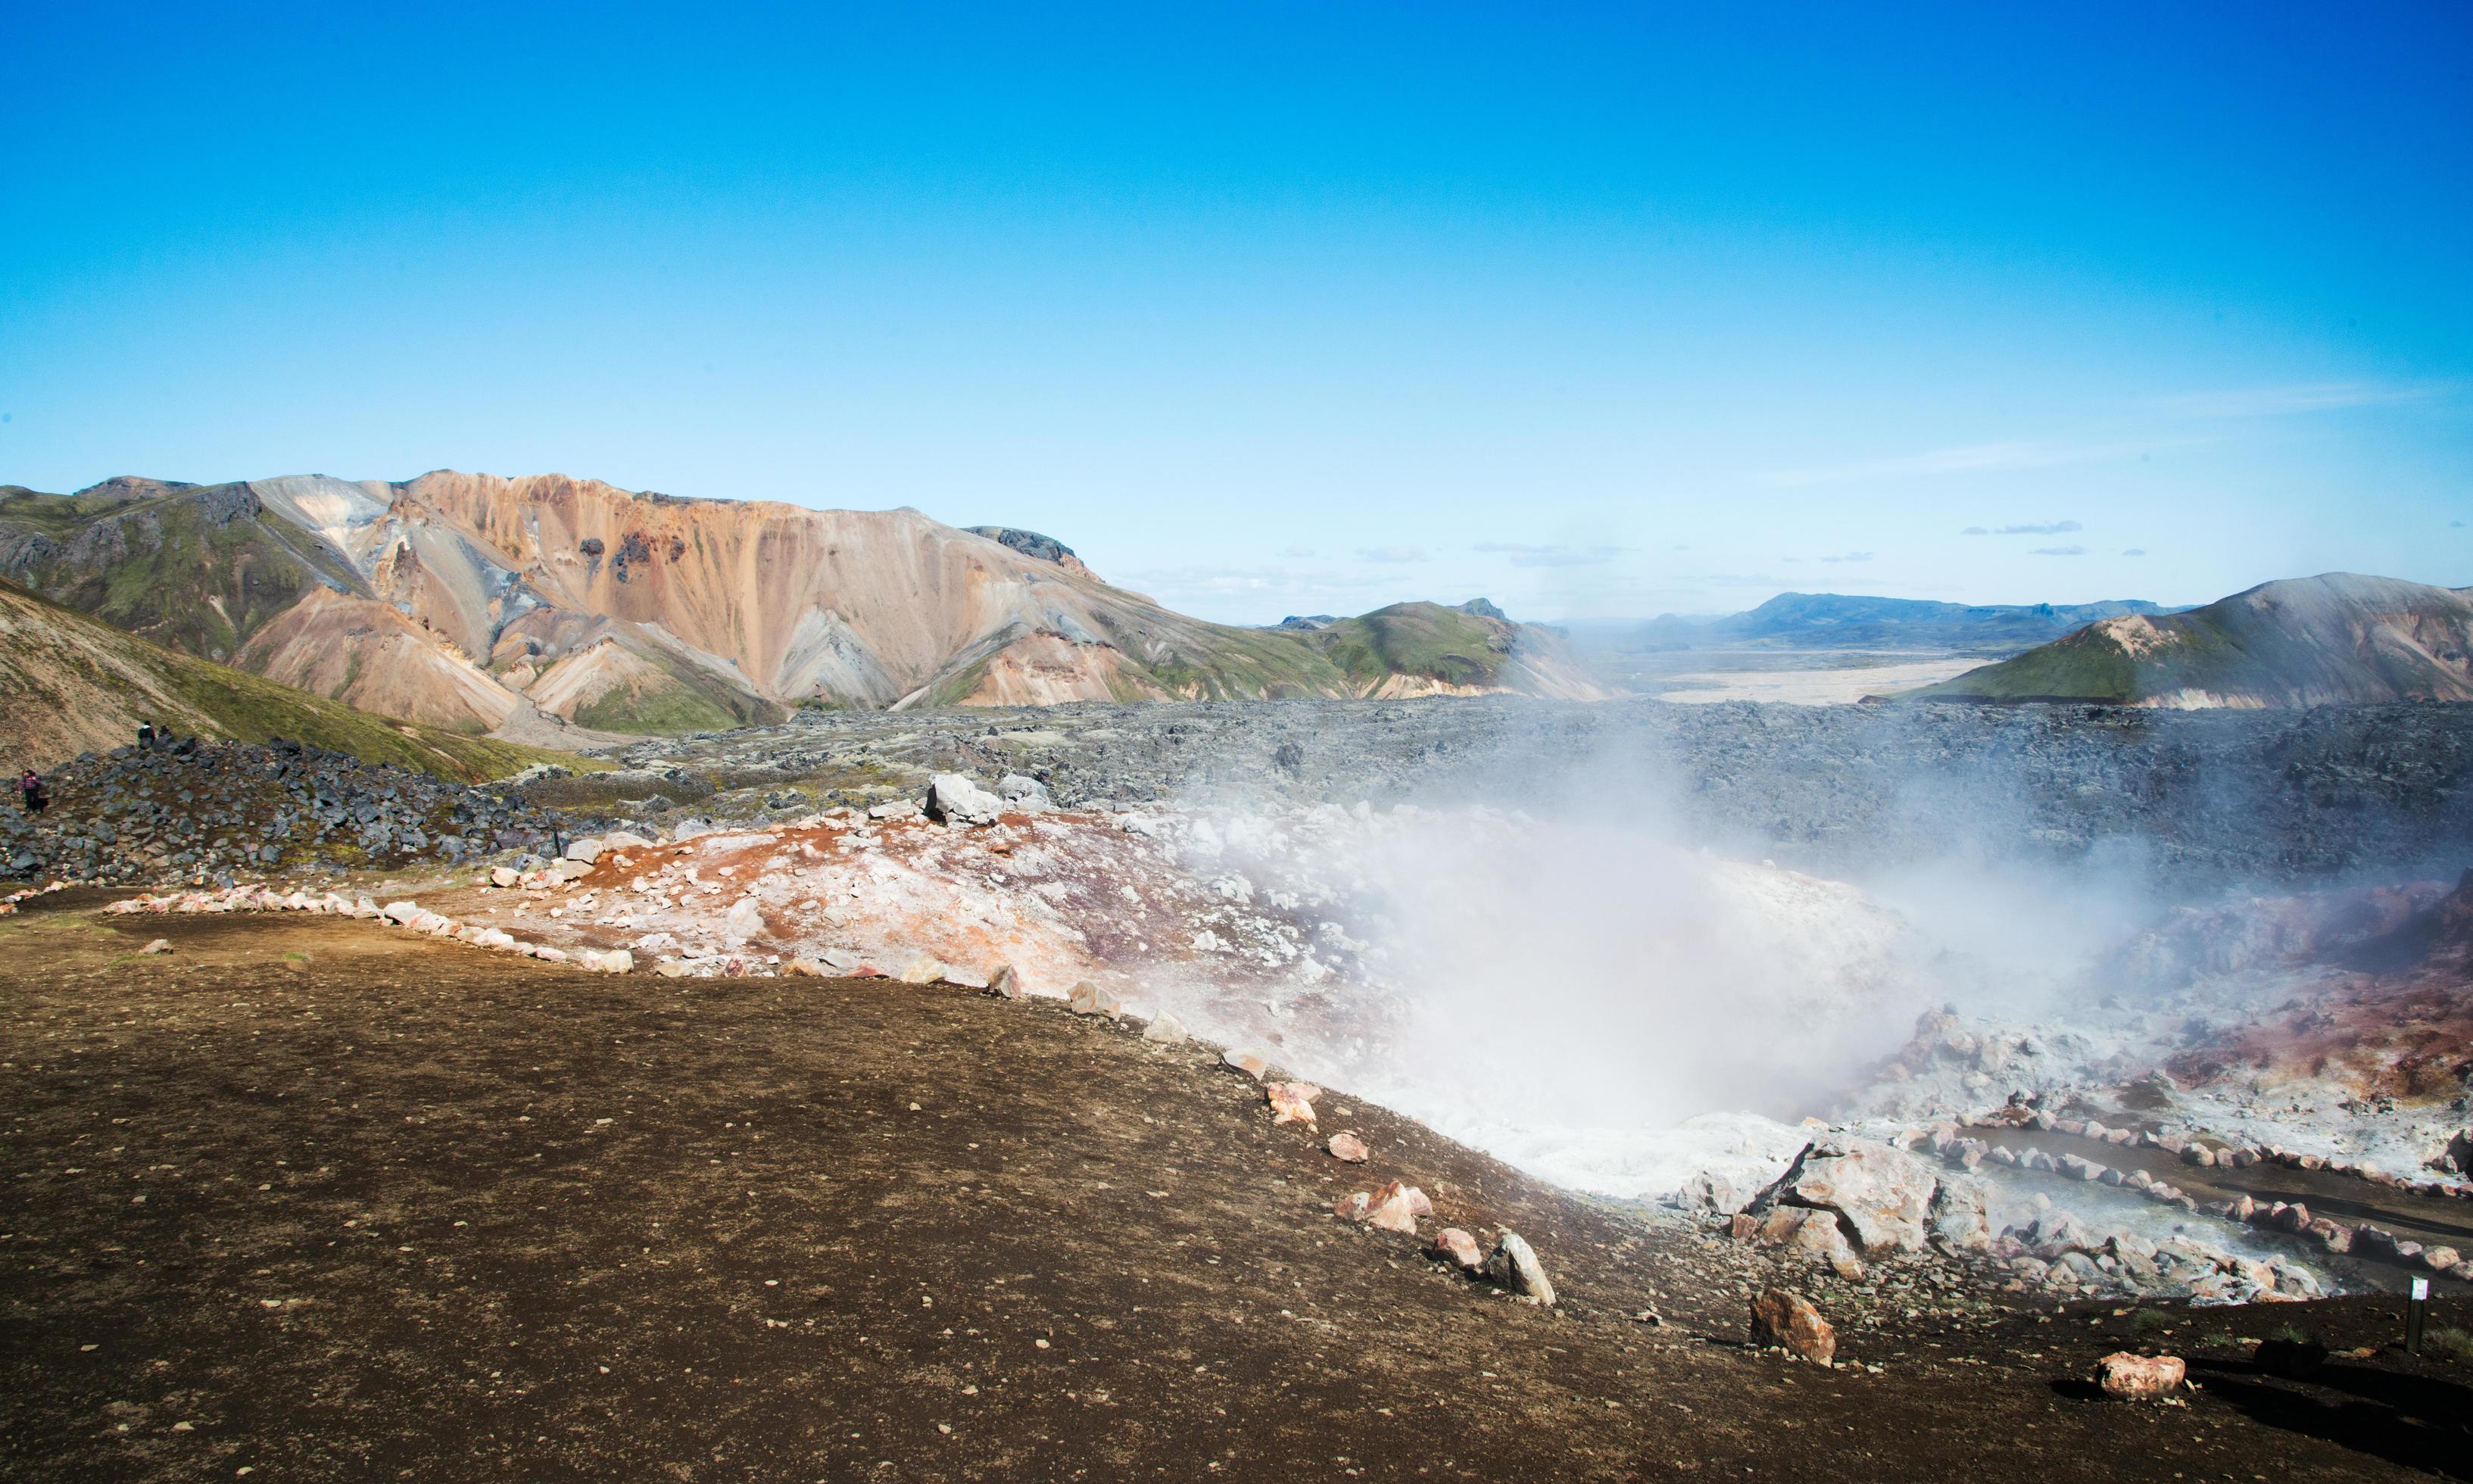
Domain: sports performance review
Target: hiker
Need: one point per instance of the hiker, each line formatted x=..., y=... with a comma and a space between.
x=145, y=736
x=31, y=788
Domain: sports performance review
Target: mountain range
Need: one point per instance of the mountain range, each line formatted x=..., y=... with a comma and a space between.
x=526, y=606
x=2338, y=639
x=1833, y=620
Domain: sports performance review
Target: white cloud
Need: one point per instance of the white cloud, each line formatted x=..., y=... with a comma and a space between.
x=1390, y=554
x=1852, y=556
x=2037, y=528
x=2058, y=551
x=2133, y=551
x=1550, y=556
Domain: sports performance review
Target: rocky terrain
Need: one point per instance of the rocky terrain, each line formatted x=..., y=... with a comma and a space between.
x=481, y=603
x=1345, y=886
x=206, y=813
x=2199, y=801
x=2336, y=640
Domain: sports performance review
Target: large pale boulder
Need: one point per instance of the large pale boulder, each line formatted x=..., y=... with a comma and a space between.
x=2140, y=1378
x=955, y=800
x=586, y=850
x=1881, y=1196
x=1022, y=792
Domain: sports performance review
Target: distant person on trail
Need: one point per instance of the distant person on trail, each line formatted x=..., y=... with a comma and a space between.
x=145, y=736
x=30, y=787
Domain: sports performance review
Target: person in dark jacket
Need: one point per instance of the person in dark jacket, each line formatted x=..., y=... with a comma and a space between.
x=30, y=787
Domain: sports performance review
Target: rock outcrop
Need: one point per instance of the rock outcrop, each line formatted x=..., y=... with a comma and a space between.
x=1882, y=1197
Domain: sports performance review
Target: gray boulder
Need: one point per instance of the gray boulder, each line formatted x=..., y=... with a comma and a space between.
x=1516, y=1267
x=1022, y=793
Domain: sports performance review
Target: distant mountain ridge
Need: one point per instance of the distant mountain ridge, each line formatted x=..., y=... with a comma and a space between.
x=2338, y=639
x=1829, y=621
x=479, y=603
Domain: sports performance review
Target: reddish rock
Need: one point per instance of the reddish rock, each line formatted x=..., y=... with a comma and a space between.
x=1418, y=1205
x=1394, y=1209
x=1246, y=1061
x=1292, y=1102
x=1742, y=1227
x=1352, y=1207
x=2140, y=1378
x=1004, y=983
x=1348, y=1147
x=1790, y=1322
x=1459, y=1248
x=1089, y=999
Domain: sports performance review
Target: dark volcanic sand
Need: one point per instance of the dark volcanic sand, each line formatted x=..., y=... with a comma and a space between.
x=413, y=1210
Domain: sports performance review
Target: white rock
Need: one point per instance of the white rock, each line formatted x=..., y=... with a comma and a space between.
x=955, y=800
x=1166, y=1029
x=587, y=850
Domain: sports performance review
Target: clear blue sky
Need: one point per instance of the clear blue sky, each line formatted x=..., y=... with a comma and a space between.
x=1598, y=311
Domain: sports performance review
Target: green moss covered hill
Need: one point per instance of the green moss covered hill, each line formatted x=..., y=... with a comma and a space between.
x=71, y=683
x=2340, y=638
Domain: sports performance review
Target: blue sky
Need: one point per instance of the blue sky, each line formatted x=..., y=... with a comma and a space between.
x=1597, y=311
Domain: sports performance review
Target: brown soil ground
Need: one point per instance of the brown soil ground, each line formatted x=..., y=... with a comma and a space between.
x=307, y=1200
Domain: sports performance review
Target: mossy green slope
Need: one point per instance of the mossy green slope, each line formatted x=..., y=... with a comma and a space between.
x=1424, y=640
x=2340, y=638
x=196, y=567
x=69, y=684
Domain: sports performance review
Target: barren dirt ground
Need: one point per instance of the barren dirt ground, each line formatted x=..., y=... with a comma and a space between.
x=301, y=1200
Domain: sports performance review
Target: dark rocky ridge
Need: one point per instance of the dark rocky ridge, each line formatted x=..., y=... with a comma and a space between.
x=212, y=812
x=2210, y=797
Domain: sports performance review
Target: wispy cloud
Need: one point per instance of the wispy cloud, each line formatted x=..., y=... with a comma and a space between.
x=1297, y=552
x=1550, y=556
x=2133, y=551
x=2058, y=551
x=2036, y=528
x=2305, y=398
x=1391, y=554
x=1852, y=556
x=1965, y=459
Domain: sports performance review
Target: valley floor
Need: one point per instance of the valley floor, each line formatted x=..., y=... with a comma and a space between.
x=304, y=1200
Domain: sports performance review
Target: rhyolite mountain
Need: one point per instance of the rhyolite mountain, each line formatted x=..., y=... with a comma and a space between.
x=2339, y=638
x=484, y=602
x=71, y=683
x=1835, y=620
